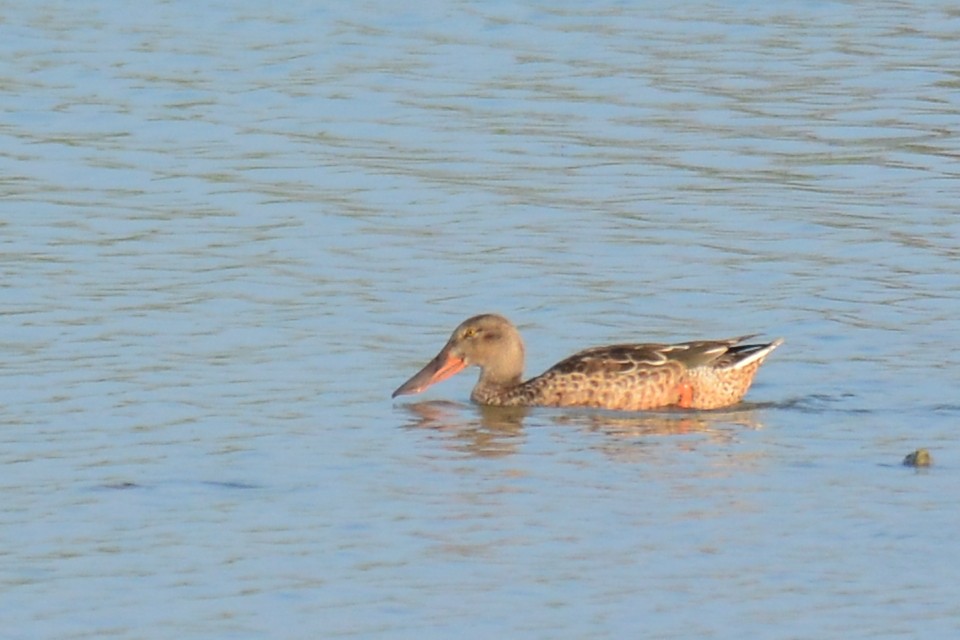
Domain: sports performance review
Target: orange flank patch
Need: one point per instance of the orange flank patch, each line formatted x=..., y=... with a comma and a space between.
x=684, y=395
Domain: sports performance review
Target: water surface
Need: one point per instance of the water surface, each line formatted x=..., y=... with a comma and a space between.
x=229, y=231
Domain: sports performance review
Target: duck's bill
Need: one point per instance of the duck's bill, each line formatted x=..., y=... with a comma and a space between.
x=440, y=368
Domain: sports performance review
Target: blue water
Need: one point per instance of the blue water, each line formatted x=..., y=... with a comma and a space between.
x=229, y=231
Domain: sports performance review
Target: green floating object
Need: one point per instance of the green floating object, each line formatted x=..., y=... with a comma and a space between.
x=919, y=458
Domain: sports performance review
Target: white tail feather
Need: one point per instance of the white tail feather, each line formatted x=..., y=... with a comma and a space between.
x=759, y=354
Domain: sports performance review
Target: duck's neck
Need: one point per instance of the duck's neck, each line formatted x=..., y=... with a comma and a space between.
x=495, y=392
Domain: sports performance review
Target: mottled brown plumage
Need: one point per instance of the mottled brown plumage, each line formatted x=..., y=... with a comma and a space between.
x=703, y=374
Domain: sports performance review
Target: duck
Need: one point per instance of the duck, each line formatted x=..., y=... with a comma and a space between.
x=700, y=374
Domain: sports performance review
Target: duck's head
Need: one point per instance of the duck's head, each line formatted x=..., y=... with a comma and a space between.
x=488, y=341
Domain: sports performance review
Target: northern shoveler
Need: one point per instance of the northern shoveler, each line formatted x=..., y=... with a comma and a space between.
x=703, y=374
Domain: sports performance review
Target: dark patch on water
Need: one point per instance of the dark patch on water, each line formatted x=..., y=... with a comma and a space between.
x=126, y=485
x=229, y=485
x=119, y=486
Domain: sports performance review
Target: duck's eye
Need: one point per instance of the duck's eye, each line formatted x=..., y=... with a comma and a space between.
x=469, y=333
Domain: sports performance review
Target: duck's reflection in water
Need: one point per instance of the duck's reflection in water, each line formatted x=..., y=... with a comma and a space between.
x=480, y=431
x=499, y=431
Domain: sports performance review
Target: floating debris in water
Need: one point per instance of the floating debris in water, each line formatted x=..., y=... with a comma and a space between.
x=919, y=458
